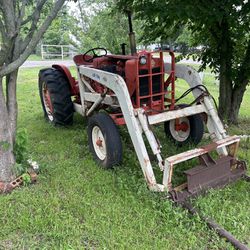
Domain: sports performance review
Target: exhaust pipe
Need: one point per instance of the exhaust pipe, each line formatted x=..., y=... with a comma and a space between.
x=131, y=34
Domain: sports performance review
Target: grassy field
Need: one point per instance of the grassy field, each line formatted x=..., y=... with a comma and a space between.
x=78, y=205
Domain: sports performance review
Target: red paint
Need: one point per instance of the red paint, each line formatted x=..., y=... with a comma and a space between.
x=157, y=98
x=118, y=119
x=99, y=143
x=47, y=98
x=181, y=126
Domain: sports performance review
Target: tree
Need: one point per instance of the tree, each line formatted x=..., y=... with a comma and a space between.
x=58, y=33
x=101, y=25
x=222, y=27
x=21, y=28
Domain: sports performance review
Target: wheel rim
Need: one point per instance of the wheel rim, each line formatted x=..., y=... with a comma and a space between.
x=99, y=143
x=47, y=101
x=180, y=131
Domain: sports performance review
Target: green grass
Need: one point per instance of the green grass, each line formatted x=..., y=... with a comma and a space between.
x=34, y=57
x=78, y=205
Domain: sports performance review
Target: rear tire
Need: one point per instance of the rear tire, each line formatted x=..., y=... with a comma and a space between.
x=104, y=140
x=55, y=97
x=191, y=133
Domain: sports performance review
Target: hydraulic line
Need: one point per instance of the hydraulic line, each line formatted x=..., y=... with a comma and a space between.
x=213, y=225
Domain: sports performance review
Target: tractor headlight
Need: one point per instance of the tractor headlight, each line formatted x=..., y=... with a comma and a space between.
x=143, y=60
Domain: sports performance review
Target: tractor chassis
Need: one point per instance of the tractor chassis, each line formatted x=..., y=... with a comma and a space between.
x=209, y=173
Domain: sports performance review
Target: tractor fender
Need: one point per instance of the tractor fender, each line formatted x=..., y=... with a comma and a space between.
x=74, y=88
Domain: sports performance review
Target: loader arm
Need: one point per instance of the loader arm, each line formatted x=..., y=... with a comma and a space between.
x=209, y=173
x=214, y=124
x=119, y=87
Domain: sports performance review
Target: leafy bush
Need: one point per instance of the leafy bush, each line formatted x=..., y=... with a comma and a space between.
x=21, y=146
x=26, y=179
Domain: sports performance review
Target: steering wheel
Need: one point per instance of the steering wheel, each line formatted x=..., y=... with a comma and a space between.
x=95, y=55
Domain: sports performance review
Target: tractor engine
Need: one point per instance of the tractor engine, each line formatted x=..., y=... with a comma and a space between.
x=144, y=76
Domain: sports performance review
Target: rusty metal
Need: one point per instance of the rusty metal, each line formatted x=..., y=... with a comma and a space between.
x=202, y=178
x=214, y=226
x=205, y=160
x=131, y=34
x=207, y=176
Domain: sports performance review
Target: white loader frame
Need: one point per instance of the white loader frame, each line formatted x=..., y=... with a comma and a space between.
x=138, y=122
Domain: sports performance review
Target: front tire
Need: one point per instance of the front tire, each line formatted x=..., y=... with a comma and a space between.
x=185, y=130
x=104, y=140
x=55, y=97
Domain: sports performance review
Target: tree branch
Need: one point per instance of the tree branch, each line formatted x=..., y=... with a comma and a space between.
x=8, y=11
x=6, y=42
x=31, y=17
x=21, y=14
x=34, y=41
x=35, y=18
x=2, y=29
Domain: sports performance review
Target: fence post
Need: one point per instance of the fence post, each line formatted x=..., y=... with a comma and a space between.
x=42, y=51
x=62, y=51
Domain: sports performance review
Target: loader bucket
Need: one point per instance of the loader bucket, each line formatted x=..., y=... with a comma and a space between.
x=209, y=173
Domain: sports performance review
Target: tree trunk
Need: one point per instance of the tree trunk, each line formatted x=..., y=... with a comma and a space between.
x=225, y=51
x=240, y=86
x=11, y=81
x=237, y=97
x=225, y=92
x=6, y=143
x=15, y=48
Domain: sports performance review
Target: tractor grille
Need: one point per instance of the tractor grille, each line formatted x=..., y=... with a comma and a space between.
x=144, y=83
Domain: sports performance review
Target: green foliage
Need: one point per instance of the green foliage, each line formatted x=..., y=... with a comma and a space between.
x=21, y=152
x=59, y=32
x=101, y=25
x=20, y=148
x=19, y=169
x=26, y=179
x=107, y=32
x=92, y=24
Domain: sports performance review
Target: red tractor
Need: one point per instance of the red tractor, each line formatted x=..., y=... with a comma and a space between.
x=138, y=91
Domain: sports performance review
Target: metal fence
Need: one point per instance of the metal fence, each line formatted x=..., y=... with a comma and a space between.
x=58, y=51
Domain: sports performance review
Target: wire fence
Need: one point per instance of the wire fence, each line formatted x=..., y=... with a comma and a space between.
x=49, y=51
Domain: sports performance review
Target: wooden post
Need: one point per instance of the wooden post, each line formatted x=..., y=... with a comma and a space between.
x=42, y=52
x=62, y=51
